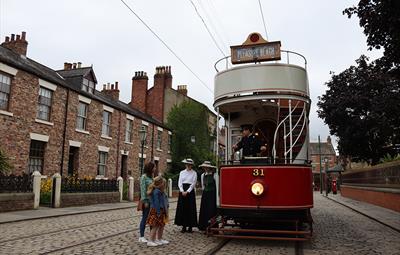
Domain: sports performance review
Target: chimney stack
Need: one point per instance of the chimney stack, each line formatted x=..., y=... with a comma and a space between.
x=79, y=64
x=139, y=91
x=182, y=89
x=111, y=91
x=18, y=45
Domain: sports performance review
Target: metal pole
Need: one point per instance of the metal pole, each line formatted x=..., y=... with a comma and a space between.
x=326, y=177
x=141, y=159
x=320, y=165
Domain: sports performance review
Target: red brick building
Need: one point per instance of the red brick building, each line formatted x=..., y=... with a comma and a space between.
x=327, y=155
x=56, y=121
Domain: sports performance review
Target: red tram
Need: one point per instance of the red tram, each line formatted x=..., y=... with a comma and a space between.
x=268, y=196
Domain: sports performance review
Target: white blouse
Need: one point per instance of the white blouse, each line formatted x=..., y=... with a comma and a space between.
x=189, y=177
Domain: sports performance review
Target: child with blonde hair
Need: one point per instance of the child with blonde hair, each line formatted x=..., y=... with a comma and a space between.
x=158, y=214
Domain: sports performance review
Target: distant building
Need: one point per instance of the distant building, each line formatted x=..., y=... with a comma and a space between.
x=57, y=122
x=328, y=155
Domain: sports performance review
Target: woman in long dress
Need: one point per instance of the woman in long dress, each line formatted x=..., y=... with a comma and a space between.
x=186, y=213
x=208, y=206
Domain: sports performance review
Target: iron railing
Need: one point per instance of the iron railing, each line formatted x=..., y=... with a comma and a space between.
x=15, y=183
x=69, y=185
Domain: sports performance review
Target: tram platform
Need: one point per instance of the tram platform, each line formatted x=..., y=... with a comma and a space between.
x=383, y=215
x=47, y=212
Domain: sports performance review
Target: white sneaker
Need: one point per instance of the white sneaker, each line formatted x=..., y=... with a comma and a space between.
x=142, y=240
x=152, y=244
x=158, y=242
x=162, y=241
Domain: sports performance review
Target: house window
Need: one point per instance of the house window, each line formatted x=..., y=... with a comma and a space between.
x=159, y=139
x=36, y=156
x=44, y=104
x=102, y=163
x=88, y=86
x=106, y=123
x=82, y=116
x=5, y=87
x=128, y=131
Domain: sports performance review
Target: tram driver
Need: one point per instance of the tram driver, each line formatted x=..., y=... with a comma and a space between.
x=250, y=143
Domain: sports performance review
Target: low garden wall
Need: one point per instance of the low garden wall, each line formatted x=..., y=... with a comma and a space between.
x=88, y=198
x=16, y=201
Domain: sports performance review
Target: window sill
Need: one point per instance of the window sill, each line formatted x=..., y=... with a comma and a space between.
x=159, y=150
x=6, y=113
x=128, y=143
x=82, y=131
x=101, y=177
x=106, y=137
x=44, y=122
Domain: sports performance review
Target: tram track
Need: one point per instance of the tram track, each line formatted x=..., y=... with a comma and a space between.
x=218, y=247
x=76, y=227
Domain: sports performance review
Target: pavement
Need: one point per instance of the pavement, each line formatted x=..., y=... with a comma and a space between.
x=47, y=212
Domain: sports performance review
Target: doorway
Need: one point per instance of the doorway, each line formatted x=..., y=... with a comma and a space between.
x=73, y=160
x=124, y=167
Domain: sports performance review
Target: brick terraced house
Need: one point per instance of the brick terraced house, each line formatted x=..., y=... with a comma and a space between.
x=57, y=122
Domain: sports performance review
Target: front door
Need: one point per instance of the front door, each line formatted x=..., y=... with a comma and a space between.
x=73, y=160
x=124, y=166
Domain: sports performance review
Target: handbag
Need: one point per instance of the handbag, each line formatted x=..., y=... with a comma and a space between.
x=140, y=205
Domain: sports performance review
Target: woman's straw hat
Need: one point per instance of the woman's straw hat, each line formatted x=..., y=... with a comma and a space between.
x=188, y=161
x=207, y=164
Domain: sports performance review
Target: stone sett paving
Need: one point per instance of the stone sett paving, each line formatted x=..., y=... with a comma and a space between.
x=337, y=230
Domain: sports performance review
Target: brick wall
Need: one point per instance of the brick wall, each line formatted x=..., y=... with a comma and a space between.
x=77, y=199
x=16, y=201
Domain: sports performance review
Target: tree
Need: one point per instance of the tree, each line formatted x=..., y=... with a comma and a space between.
x=362, y=104
x=381, y=22
x=187, y=120
x=361, y=107
x=5, y=165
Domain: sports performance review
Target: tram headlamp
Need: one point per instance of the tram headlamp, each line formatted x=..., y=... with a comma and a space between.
x=257, y=189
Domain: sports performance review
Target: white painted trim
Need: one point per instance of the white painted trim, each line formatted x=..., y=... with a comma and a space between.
x=108, y=108
x=47, y=85
x=157, y=158
x=160, y=129
x=8, y=69
x=82, y=131
x=140, y=155
x=6, y=113
x=130, y=117
x=103, y=148
x=123, y=152
x=84, y=99
x=159, y=150
x=106, y=137
x=39, y=137
x=44, y=122
x=169, y=132
x=169, y=160
x=145, y=123
x=128, y=143
x=74, y=143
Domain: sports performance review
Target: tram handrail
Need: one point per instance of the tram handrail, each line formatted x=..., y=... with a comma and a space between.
x=288, y=52
x=277, y=128
x=301, y=131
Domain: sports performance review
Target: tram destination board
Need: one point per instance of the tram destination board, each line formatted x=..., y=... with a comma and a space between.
x=256, y=52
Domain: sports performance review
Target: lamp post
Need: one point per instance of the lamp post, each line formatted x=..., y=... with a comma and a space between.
x=193, y=139
x=326, y=175
x=142, y=137
x=320, y=166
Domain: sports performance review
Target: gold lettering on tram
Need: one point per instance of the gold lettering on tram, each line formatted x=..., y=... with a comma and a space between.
x=258, y=172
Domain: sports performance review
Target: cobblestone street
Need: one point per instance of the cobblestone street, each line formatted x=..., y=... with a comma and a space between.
x=337, y=230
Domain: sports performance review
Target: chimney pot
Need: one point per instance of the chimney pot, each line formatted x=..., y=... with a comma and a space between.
x=116, y=85
x=18, y=37
x=145, y=74
x=73, y=65
x=104, y=86
x=79, y=64
x=23, y=35
x=108, y=85
x=112, y=86
x=7, y=38
x=12, y=37
x=65, y=65
x=136, y=74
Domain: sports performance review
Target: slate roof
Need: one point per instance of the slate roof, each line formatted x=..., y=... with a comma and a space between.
x=66, y=79
x=326, y=149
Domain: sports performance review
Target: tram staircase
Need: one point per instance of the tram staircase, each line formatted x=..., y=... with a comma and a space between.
x=299, y=135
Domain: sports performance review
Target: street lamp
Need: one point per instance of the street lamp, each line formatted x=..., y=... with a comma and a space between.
x=193, y=139
x=142, y=137
x=320, y=165
x=326, y=175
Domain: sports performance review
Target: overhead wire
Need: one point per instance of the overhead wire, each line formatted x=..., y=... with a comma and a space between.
x=208, y=30
x=165, y=44
x=262, y=15
x=219, y=23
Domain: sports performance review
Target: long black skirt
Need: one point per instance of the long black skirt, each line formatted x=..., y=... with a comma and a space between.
x=186, y=213
x=208, y=208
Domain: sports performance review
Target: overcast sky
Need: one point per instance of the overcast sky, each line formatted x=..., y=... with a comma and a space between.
x=105, y=34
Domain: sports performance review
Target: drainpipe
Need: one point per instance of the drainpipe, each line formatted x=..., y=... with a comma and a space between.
x=152, y=144
x=64, y=134
x=118, y=138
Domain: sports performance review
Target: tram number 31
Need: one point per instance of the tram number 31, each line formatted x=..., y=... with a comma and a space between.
x=258, y=172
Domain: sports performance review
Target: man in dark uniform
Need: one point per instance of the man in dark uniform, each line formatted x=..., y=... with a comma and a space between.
x=250, y=143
